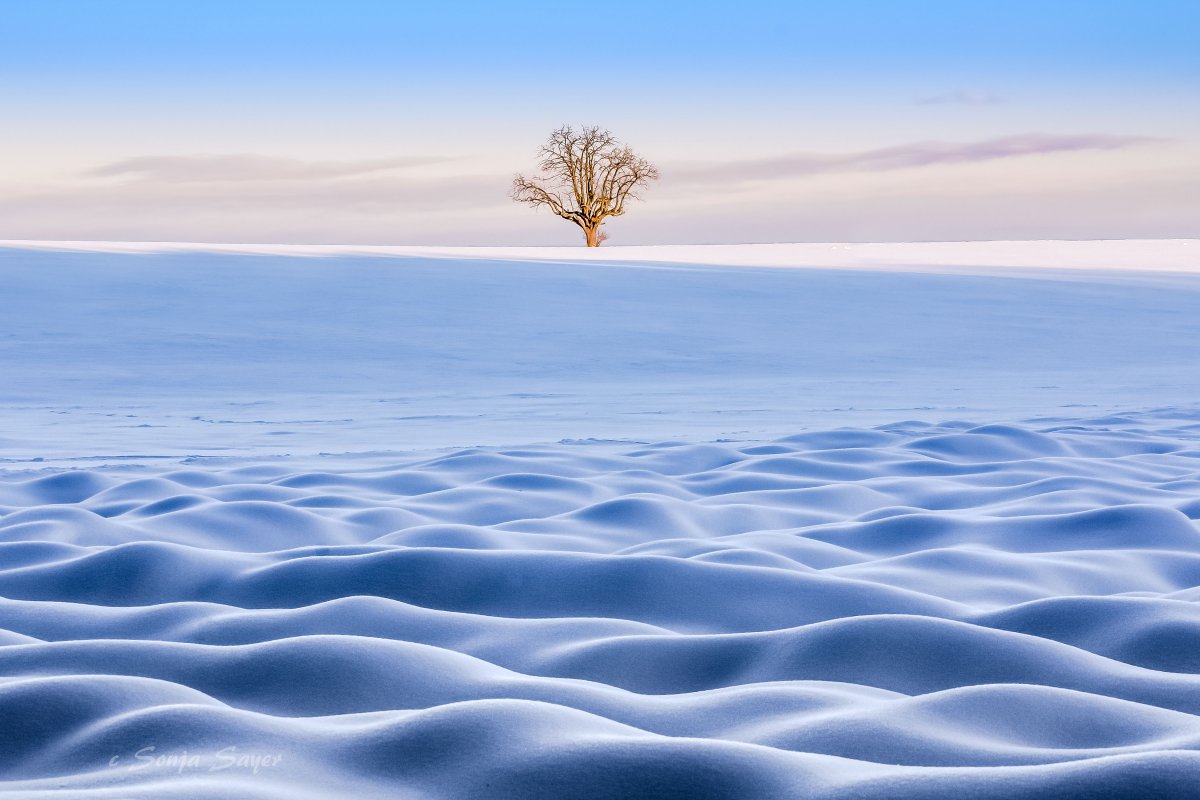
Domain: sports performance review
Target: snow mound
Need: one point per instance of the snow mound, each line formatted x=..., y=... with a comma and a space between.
x=909, y=611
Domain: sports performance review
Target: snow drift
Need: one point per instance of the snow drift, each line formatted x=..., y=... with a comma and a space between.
x=907, y=611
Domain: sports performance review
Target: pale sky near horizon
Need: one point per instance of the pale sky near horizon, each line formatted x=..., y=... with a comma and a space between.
x=364, y=121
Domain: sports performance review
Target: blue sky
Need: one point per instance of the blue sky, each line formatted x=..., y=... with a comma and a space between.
x=386, y=122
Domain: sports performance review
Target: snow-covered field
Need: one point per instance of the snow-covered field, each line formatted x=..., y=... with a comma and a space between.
x=181, y=352
x=856, y=521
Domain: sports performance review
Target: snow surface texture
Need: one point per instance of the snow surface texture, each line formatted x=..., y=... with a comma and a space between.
x=912, y=609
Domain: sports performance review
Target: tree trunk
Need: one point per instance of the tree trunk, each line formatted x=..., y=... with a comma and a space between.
x=593, y=240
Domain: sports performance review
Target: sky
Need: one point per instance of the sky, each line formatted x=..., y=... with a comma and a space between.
x=373, y=122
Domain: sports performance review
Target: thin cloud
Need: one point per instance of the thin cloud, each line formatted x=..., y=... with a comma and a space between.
x=907, y=156
x=960, y=97
x=385, y=193
x=373, y=208
x=217, y=168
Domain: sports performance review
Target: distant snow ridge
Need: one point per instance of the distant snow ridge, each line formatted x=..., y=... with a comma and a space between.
x=911, y=611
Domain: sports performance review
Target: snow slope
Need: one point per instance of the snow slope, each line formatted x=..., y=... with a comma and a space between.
x=1164, y=255
x=190, y=352
x=901, y=532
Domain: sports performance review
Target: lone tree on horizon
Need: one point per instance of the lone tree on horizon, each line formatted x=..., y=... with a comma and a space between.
x=586, y=177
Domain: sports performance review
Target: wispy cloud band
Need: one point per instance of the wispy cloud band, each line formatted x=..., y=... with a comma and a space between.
x=225, y=168
x=906, y=156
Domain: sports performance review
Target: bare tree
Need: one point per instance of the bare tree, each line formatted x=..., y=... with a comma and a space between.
x=586, y=177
